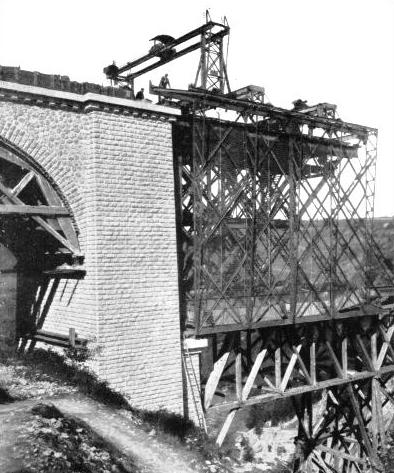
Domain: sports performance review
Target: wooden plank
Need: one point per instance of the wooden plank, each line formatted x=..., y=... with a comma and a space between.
x=270, y=384
x=374, y=349
x=243, y=395
x=238, y=375
x=226, y=426
x=321, y=463
x=12, y=158
x=271, y=396
x=53, y=199
x=8, y=193
x=51, y=341
x=353, y=450
x=361, y=425
x=253, y=373
x=218, y=367
x=379, y=420
x=289, y=368
x=28, y=210
x=337, y=365
x=300, y=416
x=386, y=345
x=302, y=365
x=344, y=355
x=312, y=355
x=388, y=421
x=340, y=454
x=374, y=429
x=278, y=368
x=23, y=183
x=364, y=352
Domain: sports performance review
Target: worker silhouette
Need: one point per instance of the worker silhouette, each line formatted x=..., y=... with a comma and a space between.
x=164, y=84
x=140, y=95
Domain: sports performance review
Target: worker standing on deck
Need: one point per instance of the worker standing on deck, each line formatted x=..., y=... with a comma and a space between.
x=140, y=95
x=164, y=83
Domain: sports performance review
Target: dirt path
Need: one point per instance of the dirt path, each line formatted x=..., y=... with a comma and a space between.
x=114, y=426
x=150, y=455
x=12, y=417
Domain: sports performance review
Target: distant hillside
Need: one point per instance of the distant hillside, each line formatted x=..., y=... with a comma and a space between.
x=384, y=236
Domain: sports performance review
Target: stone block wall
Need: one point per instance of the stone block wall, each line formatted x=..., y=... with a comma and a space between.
x=111, y=159
x=138, y=322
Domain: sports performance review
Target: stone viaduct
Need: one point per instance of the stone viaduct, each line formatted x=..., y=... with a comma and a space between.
x=110, y=160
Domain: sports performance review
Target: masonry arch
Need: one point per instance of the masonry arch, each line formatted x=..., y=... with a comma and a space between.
x=38, y=239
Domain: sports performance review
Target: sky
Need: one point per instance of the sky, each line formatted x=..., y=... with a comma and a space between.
x=336, y=51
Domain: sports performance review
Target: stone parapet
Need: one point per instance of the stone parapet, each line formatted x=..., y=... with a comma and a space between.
x=69, y=101
x=59, y=82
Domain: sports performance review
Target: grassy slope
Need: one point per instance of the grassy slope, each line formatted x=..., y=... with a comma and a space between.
x=44, y=373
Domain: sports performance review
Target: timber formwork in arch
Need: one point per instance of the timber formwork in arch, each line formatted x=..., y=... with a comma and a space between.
x=280, y=270
x=38, y=242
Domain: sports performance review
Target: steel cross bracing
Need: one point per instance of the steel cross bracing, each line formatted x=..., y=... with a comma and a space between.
x=276, y=220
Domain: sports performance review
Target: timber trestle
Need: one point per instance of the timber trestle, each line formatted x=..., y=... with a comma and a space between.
x=350, y=360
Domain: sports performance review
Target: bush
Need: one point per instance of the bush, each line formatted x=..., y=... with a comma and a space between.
x=167, y=422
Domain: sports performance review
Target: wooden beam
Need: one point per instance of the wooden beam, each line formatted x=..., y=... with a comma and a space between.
x=302, y=365
x=253, y=374
x=29, y=210
x=23, y=183
x=226, y=426
x=312, y=355
x=364, y=355
x=337, y=365
x=342, y=455
x=8, y=193
x=238, y=375
x=377, y=416
x=243, y=395
x=344, y=346
x=13, y=159
x=278, y=368
x=321, y=463
x=269, y=397
x=214, y=377
x=290, y=368
x=361, y=425
x=53, y=199
x=386, y=345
